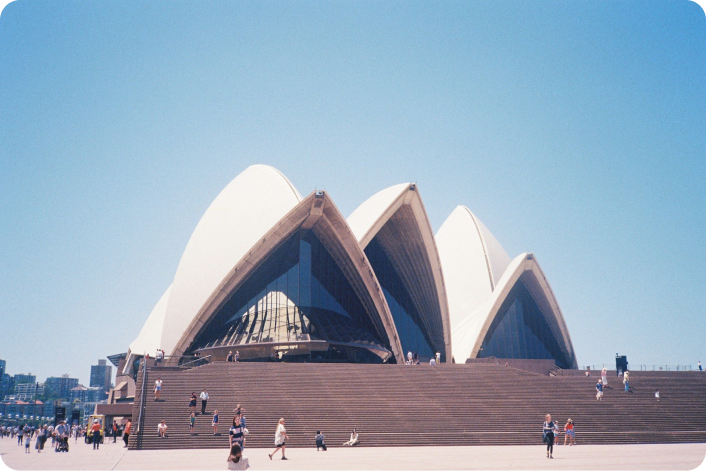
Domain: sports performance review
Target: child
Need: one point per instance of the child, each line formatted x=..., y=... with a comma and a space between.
x=320, y=441
x=214, y=424
x=27, y=440
x=192, y=422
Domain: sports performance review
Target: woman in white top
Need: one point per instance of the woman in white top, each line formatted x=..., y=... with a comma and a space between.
x=604, y=376
x=236, y=460
x=354, y=439
x=280, y=438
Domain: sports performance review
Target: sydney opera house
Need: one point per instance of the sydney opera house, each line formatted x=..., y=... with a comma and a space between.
x=272, y=274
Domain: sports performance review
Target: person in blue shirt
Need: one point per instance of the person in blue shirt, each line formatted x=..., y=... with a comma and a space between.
x=599, y=390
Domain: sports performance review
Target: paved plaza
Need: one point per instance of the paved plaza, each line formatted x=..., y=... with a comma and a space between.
x=114, y=456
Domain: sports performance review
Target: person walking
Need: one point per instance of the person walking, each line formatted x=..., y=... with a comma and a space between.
x=126, y=432
x=599, y=390
x=548, y=429
x=192, y=402
x=569, y=433
x=214, y=422
x=158, y=389
x=115, y=431
x=20, y=436
x=320, y=441
x=280, y=439
x=604, y=376
x=204, y=401
x=236, y=460
x=236, y=433
x=96, y=430
x=626, y=381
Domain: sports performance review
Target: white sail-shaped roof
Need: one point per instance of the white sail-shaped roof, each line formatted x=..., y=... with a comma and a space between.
x=468, y=334
x=241, y=214
x=396, y=217
x=473, y=262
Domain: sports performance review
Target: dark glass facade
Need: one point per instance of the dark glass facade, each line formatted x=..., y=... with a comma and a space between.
x=298, y=294
x=404, y=312
x=520, y=330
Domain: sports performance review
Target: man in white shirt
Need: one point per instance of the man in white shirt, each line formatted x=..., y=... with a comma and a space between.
x=204, y=400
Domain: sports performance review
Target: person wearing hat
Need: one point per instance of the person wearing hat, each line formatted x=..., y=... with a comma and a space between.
x=569, y=433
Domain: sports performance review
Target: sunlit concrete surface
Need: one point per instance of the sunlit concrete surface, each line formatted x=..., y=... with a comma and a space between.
x=114, y=456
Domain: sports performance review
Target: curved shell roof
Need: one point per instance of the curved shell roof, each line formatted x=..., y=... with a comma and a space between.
x=239, y=216
x=468, y=334
x=148, y=340
x=397, y=217
x=473, y=262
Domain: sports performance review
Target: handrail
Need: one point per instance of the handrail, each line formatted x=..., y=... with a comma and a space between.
x=207, y=357
x=142, y=395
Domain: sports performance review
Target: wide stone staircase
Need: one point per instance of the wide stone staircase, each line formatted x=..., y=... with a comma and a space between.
x=397, y=405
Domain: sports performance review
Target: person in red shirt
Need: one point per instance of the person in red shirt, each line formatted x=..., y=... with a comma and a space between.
x=126, y=433
x=96, y=429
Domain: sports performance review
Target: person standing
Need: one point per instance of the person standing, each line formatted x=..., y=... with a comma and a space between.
x=569, y=433
x=626, y=381
x=192, y=422
x=599, y=390
x=604, y=376
x=657, y=394
x=229, y=358
x=237, y=356
x=236, y=460
x=192, y=402
x=204, y=401
x=700, y=367
x=438, y=358
x=126, y=432
x=20, y=435
x=214, y=422
x=280, y=439
x=115, y=431
x=548, y=429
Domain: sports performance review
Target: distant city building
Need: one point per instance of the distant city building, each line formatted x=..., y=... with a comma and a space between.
x=22, y=379
x=28, y=391
x=7, y=385
x=84, y=394
x=101, y=375
x=3, y=366
x=60, y=387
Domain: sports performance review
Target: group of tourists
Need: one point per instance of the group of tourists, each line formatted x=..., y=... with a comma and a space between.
x=233, y=358
x=413, y=359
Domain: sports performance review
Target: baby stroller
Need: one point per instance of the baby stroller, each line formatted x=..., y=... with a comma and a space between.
x=63, y=444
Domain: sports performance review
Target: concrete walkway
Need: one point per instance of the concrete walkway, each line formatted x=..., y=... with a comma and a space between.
x=114, y=456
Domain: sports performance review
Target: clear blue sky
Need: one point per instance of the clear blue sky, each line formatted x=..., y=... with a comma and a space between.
x=574, y=130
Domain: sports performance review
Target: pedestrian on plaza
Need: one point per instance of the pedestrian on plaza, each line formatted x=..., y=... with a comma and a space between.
x=604, y=376
x=280, y=439
x=204, y=400
x=96, y=429
x=320, y=441
x=115, y=431
x=626, y=381
x=569, y=433
x=20, y=435
x=354, y=439
x=599, y=390
x=236, y=434
x=548, y=434
x=192, y=422
x=158, y=389
x=162, y=429
x=236, y=460
x=192, y=402
x=214, y=422
x=229, y=358
x=27, y=442
x=41, y=438
x=126, y=432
